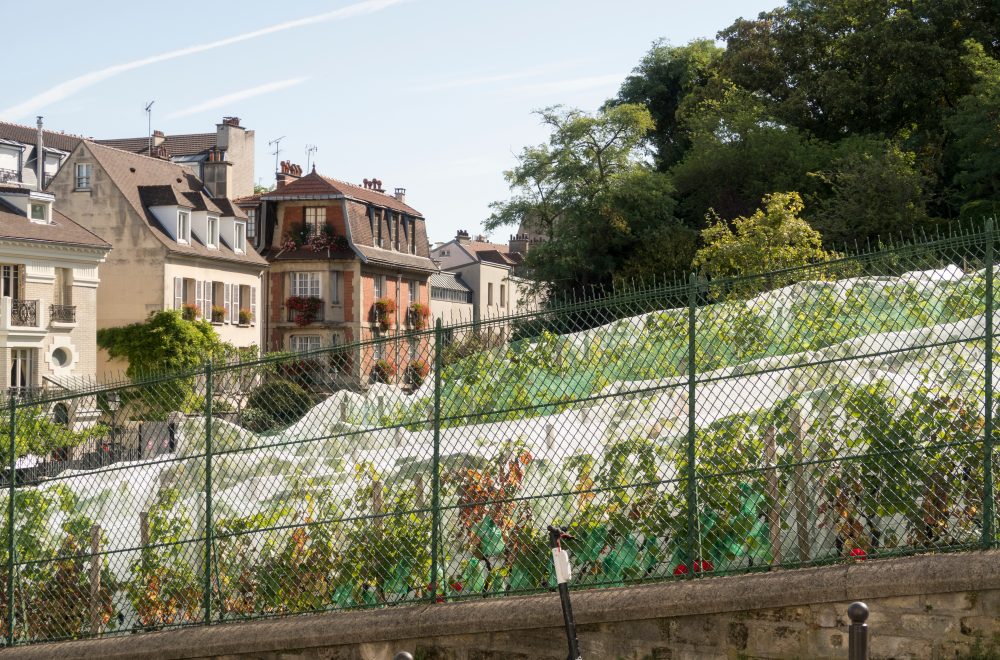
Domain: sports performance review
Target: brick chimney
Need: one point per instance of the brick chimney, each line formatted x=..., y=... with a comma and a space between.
x=400, y=194
x=462, y=237
x=289, y=172
x=158, y=138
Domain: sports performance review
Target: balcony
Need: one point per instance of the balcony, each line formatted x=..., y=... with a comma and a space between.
x=24, y=313
x=8, y=176
x=62, y=313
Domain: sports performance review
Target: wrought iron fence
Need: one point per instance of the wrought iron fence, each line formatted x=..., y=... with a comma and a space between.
x=838, y=412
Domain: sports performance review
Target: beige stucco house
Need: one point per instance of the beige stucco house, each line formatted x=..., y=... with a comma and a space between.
x=19, y=153
x=174, y=245
x=488, y=270
x=451, y=299
x=48, y=308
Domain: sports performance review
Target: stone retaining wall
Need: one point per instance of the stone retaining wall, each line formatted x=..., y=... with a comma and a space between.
x=934, y=606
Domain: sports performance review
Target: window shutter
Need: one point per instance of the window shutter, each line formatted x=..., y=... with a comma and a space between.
x=234, y=310
x=227, y=302
x=178, y=292
x=199, y=293
x=253, y=305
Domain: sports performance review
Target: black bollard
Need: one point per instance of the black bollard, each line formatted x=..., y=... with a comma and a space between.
x=857, y=634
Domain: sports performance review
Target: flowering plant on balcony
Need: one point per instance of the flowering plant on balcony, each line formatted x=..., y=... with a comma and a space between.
x=419, y=313
x=306, y=308
x=416, y=372
x=384, y=371
x=218, y=313
x=384, y=309
x=245, y=316
x=299, y=236
x=190, y=311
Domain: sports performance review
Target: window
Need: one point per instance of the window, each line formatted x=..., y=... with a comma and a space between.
x=83, y=171
x=315, y=220
x=379, y=286
x=336, y=281
x=452, y=295
x=22, y=369
x=183, y=227
x=503, y=295
x=489, y=294
x=414, y=288
x=63, y=292
x=301, y=343
x=378, y=236
x=60, y=357
x=251, y=223
x=305, y=285
x=10, y=281
x=240, y=237
x=213, y=232
x=38, y=212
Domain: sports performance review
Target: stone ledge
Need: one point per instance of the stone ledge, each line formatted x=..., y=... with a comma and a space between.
x=925, y=574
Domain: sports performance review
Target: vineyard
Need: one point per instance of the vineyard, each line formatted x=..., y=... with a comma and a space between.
x=841, y=412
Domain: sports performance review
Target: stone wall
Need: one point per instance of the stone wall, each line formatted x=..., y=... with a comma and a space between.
x=940, y=606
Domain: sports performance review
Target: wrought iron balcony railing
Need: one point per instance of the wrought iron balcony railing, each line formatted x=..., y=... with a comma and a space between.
x=24, y=313
x=7, y=176
x=62, y=313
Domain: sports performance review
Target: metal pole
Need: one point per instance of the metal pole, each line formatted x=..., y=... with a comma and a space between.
x=95, y=579
x=436, y=464
x=560, y=561
x=857, y=633
x=208, y=494
x=692, y=471
x=988, y=398
x=11, y=494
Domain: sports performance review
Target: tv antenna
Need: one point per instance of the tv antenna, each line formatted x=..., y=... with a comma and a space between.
x=149, y=126
x=310, y=150
x=276, y=143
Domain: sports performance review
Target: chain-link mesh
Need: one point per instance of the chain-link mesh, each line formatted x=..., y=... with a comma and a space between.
x=832, y=413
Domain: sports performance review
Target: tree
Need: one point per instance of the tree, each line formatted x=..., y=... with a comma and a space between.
x=663, y=80
x=773, y=238
x=36, y=433
x=591, y=193
x=164, y=342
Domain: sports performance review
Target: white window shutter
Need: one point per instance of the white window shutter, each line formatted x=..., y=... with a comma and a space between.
x=253, y=304
x=227, y=302
x=234, y=309
x=199, y=290
x=178, y=292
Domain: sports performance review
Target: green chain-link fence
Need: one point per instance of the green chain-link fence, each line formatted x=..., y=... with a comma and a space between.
x=831, y=413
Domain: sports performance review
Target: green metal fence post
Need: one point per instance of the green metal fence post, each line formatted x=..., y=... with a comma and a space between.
x=208, y=493
x=436, y=466
x=11, y=547
x=988, y=403
x=692, y=485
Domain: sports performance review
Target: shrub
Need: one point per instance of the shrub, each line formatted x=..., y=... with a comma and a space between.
x=384, y=309
x=218, y=313
x=416, y=372
x=279, y=402
x=245, y=317
x=384, y=371
x=190, y=311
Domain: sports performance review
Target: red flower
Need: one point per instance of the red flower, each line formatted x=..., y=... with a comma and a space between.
x=858, y=554
x=456, y=586
x=700, y=566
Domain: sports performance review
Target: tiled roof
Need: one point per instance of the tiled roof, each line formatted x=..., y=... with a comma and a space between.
x=176, y=145
x=14, y=224
x=361, y=238
x=445, y=280
x=248, y=200
x=29, y=135
x=139, y=177
x=228, y=207
x=378, y=255
x=314, y=185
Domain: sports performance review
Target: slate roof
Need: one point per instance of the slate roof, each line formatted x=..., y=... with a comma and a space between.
x=15, y=225
x=144, y=181
x=314, y=185
x=445, y=280
x=176, y=145
x=29, y=135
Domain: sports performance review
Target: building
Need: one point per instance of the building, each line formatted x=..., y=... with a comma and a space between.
x=451, y=299
x=174, y=245
x=488, y=269
x=348, y=263
x=19, y=152
x=48, y=309
x=223, y=160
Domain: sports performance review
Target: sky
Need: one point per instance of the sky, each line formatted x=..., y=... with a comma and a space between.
x=435, y=96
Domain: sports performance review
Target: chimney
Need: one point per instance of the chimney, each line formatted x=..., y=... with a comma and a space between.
x=462, y=237
x=231, y=121
x=400, y=194
x=289, y=172
x=40, y=158
x=158, y=138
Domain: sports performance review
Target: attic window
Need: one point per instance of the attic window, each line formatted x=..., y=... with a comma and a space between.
x=183, y=227
x=38, y=213
x=240, y=236
x=213, y=232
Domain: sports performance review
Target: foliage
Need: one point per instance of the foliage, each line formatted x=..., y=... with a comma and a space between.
x=37, y=434
x=306, y=308
x=418, y=315
x=976, y=131
x=246, y=317
x=416, y=372
x=384, y=371
x=384, y=308
x=164, y=342
x=772, y=239
x=218, y=314
x=190, y=311
x=301, y=236
x=277, y=403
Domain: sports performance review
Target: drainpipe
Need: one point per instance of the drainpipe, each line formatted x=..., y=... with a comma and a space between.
x=399, y=289
x=40, y=158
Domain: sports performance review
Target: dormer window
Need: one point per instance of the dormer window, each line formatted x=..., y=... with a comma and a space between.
x=240, y=237
x=38, y=212
x=213, y=232
x=183, y=227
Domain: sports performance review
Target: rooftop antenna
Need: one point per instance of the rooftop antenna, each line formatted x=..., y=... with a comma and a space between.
x=149, y=126
x=310, y=150
x=276, y=143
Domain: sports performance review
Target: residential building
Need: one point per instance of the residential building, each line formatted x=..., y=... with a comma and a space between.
x=48, y=309
x=347, y=247
x=488, y=270
x=174, y=245
x=19, y=153
x=223, y=160
x=451, y=299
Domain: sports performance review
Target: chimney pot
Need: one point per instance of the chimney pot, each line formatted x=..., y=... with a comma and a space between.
x=400, y=194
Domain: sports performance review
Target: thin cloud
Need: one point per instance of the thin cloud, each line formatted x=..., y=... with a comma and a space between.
x=71, y=87
x=486, y=80
x=220, y=101
x=571, y=85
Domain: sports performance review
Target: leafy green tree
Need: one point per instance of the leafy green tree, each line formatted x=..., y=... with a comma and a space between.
x=590, y=192
x=164, y=342
x=773, y=238
x=36, y=433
